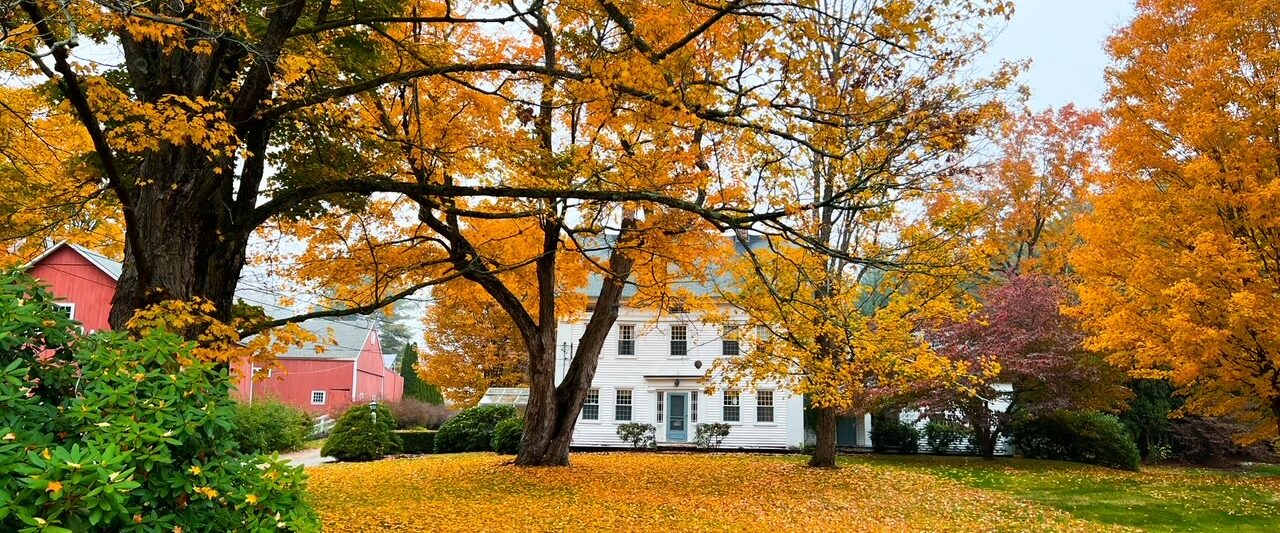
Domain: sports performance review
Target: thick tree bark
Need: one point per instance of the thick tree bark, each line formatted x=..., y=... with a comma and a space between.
x=824, y=454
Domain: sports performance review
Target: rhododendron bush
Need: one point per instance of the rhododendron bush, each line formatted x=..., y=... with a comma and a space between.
x=109, y=432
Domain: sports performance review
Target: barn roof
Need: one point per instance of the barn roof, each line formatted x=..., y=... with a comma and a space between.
x=340, y=339
x=107, y=265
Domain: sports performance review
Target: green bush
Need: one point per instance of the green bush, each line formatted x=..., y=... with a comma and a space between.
x=941, y=435
x=472, y=429
x=417, y=440
x=267, y=426
x=893, y=435
x=112, y=433
x=710, y=435
x=638, y=435
x=506, y=436
x=360, y=436
x=1082, y=437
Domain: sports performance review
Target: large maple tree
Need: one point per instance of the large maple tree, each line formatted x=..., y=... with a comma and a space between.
x=1181, y=262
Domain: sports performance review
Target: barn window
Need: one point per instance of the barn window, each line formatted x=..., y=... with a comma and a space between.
x=318, y=397
x=65, y=309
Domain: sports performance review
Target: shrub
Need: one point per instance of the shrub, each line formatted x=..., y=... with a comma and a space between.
x=941, y=435
x=1083, y=437
x=360, y=436
x=710, y=435
x=417, y=440
x=892, y=435
x=506, y=436
x=109, y=432
x=472, y=429
x=271, y=426
x=638, y=434
x=411, y=413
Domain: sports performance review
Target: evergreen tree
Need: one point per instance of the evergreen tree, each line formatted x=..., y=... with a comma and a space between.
x=414, y=387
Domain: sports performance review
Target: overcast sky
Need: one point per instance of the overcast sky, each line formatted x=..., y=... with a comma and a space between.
x=1064, y=40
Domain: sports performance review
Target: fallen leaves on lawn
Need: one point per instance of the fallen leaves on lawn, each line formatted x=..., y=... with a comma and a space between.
x=655, y=492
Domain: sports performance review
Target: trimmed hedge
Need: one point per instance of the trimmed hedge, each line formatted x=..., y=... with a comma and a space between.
x=1082, y=437
x=941, y=435
x=506, y=436
x=357, y=437
x=472, y=429
x=416, y=440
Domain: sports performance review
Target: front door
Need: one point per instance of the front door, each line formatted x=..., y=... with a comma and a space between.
x=677, y=418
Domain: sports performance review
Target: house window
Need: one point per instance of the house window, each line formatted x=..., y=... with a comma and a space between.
x=764, y=406
x=732, y=406
x=627, y=339
x=318, y=397
x=763, y=333
x=679, y=339
x=591, y=408
x=729, y=341
x=622, y=405
x=693, y=407
x=660, y=410
x=258, y=371
x=67, y=310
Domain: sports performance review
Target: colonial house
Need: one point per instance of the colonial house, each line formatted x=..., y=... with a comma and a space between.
x=346, y=367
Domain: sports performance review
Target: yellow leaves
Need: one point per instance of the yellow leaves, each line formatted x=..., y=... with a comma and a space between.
x=662, y=492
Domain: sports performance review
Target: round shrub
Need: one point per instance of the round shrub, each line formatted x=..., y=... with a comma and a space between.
x=268, y=426
x=359, y=437
x=892, y=435
x=506, y=436
x=1082, y=437
x=472, y=429
x=941, y=435
x=110, y=432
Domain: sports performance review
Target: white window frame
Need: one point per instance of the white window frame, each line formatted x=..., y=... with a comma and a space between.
x=592, y=400
x=324, y=397
x=257, y=369
x=693, y=407
x=683, y=340
x=662, y=396
x=771, y=409
x=69, y=306
x=618, y=404
x=736, y=405
x=627, y=338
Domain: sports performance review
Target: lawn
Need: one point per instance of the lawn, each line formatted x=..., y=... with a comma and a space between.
x=737, y=492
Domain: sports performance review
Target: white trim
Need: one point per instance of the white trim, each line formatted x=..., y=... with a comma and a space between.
x=324, y=397
x=71, y=308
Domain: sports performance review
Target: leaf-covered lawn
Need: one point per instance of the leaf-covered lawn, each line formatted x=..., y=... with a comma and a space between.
x=627, y=491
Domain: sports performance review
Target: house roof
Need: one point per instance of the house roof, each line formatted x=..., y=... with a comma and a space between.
x=708, y=287
x=107, y=265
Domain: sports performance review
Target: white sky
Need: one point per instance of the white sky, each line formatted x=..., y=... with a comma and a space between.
x=1064, y=40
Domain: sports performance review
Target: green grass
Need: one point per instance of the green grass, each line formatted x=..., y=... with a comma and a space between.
x=1155, y=499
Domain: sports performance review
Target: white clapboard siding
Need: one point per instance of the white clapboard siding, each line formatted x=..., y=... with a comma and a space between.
x=653, y=358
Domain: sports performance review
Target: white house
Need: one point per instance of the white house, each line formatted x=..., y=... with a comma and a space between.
x=651, y=370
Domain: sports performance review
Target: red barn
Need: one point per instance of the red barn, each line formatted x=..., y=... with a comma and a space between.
x=346, y=365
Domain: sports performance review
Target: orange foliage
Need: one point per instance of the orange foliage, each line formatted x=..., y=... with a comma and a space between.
x=1181, y=266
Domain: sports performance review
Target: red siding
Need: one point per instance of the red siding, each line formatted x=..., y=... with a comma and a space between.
x=73, y=279
x=294, y=382
x=373, y=379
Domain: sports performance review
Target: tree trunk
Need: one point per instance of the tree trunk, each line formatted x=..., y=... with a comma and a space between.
x=186, y=247
x=824, y=454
